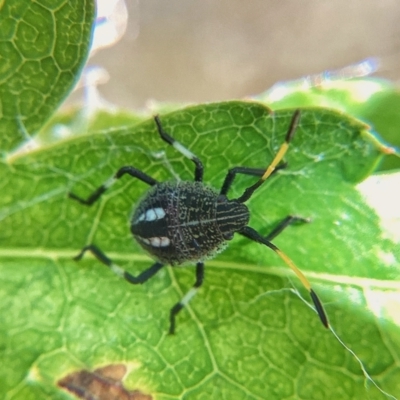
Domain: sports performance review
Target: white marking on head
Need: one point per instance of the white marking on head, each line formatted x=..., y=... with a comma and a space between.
x=156, y=241
x=160, y=212
x=150, y=215
x=154, y=213
x=165, y=241
x=159, y=241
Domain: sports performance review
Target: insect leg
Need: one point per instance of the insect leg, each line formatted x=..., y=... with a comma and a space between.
x=198, y=172
x=141, y=278
x=135, y=173
x=252, y=234
x=289, y=220
x=187, y=297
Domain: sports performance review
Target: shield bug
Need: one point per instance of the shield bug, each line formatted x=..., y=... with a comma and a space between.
x=188, y=222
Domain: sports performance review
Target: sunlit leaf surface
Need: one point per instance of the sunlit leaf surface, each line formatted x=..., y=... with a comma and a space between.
x=247, y=334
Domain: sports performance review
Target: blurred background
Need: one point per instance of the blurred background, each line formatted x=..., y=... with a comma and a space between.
x=197, y=51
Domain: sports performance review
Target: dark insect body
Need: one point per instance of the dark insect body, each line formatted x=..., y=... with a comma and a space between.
x=181, y=222
x=188, y=222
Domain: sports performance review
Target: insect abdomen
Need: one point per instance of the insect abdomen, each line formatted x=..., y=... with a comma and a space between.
x=181, y=222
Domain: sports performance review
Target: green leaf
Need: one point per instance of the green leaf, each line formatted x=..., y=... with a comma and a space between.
x=247, y=334
x=373, y=100
x=77, y=121
x=43, y=47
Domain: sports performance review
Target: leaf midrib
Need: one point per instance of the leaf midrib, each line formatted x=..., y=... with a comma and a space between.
x=57, y=254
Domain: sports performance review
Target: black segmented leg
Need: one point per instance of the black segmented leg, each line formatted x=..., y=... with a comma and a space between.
x=198, y=173
x=135, y=280
x=289, y=220
x=135, y=173
x=252, y=234
x=186, y=298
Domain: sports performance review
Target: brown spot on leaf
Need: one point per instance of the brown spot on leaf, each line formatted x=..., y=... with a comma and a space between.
x=102, y=384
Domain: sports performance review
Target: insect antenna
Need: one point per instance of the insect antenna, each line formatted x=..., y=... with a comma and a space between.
x=317, y=303
x=252, y=234
x=278, y=157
